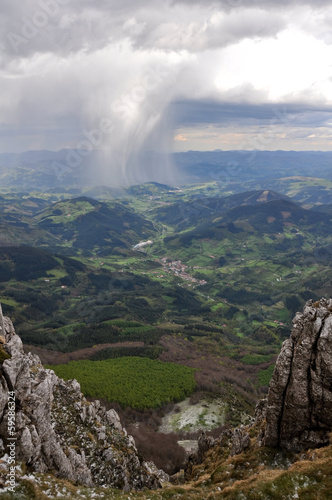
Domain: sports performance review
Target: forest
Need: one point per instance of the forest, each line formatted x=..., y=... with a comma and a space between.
x=131, y=381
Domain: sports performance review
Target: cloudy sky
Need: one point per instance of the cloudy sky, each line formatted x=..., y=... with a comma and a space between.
x=165, y=75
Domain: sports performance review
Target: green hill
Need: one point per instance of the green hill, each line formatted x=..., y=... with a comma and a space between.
x=84, y=223
x=187, y=214
x=274, y=216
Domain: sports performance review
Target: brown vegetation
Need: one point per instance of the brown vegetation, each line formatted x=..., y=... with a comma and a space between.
x=212, y=370
x=49, y=357
x=162, y=449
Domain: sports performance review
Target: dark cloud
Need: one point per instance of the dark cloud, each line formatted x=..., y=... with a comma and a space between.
x=267, y=4
x=196, y=113
x=194, y=33
x=68, y=64
x=65, y=26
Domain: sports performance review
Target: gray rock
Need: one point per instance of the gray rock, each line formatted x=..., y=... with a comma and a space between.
x=299, y=408
x=113, y=419
x=240, y=441
x=162, y=476
x=260, y=410
x=58, y=429
x=205, y=443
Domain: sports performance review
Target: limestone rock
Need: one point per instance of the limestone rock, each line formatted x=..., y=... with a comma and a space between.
x=240, y=441
x=205, y=443
x=58, y=429
x=260, y=410
x=113, y=419
x=231, y=441
x=299, y=408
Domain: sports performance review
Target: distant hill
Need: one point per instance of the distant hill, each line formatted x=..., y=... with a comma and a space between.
x=274, y=216
x=85, y=223
x=241, y=232
x=41, y=170
x=190, y=213
x=305, y=190
x=238, y=166
x=325, y=209
x=234, y=171
x=150, y=188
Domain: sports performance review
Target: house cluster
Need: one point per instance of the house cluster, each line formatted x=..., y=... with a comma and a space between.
x=180, y=269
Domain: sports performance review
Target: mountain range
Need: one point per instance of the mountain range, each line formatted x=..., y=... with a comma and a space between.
x=235, y=170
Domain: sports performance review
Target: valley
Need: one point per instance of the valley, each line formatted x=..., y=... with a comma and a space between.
x=201, y=277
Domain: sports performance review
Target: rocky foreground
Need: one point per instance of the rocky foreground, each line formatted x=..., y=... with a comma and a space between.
x=57, y=429
x=286, y=453
x=291, y=425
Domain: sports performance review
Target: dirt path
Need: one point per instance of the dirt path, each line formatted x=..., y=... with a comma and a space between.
x=47, y=356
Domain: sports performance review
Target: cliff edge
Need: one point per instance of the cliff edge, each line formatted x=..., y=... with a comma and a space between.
x=299, y=403
x=286, y=452
x=57, y=429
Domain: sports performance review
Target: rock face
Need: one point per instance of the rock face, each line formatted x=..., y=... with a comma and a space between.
x=299, y=406
x=235, y=440
x=58, y=429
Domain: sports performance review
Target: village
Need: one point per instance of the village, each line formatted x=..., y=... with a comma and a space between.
x=180, y=270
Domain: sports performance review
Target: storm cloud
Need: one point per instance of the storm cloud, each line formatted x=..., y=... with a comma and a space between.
x=130, y=77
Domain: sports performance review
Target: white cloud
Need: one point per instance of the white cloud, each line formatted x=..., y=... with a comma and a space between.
x=127, y=61
x=288, y=66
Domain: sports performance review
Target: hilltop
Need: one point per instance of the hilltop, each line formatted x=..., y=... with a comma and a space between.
x=84, y=223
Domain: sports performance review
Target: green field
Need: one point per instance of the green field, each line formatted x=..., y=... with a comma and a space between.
x=136, y=382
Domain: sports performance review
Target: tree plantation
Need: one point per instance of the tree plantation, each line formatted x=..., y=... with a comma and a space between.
x=131, y=381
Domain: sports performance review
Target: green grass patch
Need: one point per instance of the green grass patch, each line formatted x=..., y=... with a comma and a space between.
x=56, y=273
x=137, y=330
x=123, y=324
x=284, y=315
x=167, y=299
x=131, y=381
x=215, y=307
x=69, y=329
x=9, y=302
x=264, y=376
x=256, y=359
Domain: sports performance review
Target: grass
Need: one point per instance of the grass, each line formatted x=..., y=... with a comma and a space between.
x=257, y=474
x=9, y=302
x=70, y=329
x=3, y=355
x=56, y=273
x=255, y=359
x=264, y=376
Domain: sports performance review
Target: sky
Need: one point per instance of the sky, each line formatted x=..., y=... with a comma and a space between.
x=165, y=75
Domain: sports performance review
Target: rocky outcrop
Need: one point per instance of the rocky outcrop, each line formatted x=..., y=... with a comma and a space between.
x=205, y=443
x=232, y=441
x=240, y=441
x=299, y=406
x=58, y=429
